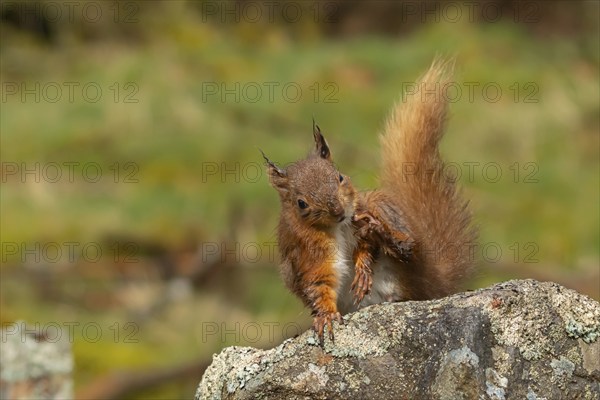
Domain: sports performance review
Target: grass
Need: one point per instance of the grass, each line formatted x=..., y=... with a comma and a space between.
x=172, y=135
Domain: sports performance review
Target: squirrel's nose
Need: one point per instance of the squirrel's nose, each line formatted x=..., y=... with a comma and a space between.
x=337, y=211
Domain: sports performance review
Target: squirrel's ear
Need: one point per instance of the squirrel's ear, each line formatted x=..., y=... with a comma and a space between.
x=277, y=176
x=322, y=148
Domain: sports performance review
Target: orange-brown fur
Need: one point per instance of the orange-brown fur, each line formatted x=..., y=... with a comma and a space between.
x=393, y=241
x=436, y=216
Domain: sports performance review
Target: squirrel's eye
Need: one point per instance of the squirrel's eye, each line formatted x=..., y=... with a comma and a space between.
x=341, y=178
x=302, y=204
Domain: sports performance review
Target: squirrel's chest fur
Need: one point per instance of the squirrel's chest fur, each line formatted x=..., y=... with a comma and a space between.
x=386, y=286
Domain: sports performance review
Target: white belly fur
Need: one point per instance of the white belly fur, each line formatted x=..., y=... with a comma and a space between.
x=385, y=280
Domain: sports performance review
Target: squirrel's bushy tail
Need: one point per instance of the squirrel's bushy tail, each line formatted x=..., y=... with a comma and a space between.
x=413, y=176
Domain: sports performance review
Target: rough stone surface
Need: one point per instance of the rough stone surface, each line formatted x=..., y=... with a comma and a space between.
x=33, y=366
x=515, y=340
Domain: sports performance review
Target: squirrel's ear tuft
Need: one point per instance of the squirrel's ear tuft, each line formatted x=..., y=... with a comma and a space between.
x=321, y=146
x=277, y=176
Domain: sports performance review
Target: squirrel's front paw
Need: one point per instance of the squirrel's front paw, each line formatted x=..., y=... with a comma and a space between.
x=325, y=319
x=361, y=285
x=401, y=250
x=365, y=223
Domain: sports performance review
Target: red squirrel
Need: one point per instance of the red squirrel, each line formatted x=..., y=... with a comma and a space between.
x=342, y=250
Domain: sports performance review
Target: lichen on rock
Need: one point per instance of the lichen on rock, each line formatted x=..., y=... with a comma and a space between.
x=515, y=340
x=33, y=366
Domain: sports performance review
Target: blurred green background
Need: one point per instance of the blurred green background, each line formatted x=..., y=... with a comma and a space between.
x=132, y=197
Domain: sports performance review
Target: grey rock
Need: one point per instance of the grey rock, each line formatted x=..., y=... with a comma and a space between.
x=515, y=340
x=33, y=366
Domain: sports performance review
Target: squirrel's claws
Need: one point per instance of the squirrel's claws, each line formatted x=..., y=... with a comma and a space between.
x=362, y=283
x=326, y=319
x=365, y=218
